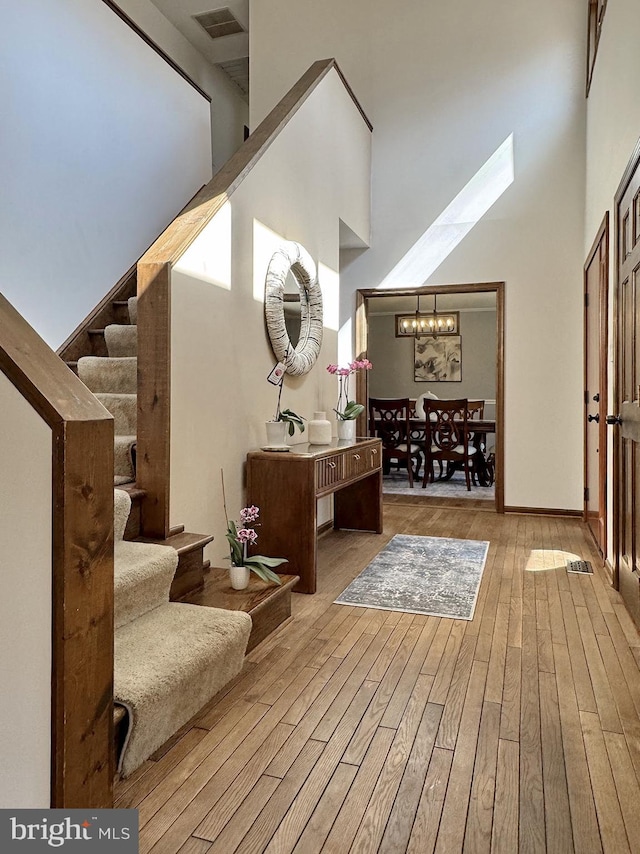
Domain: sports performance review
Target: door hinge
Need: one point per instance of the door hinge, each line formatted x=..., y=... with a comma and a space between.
x=586, y=493
x=586, y=299
x=586, y=396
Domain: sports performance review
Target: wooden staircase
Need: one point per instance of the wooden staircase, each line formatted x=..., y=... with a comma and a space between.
x=119, y=308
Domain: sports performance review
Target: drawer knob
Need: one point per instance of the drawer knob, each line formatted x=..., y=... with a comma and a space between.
x=356, y=456
x=332, y=465
x=374, y=451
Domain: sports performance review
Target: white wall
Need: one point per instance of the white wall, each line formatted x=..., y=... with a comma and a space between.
x=444, y=85
x=229, y=112
x=102, y=143
x=613, y=112
x=316, y=172
x=25, y=604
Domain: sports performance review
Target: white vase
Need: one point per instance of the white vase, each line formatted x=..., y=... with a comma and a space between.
x=276, y=432
x=239, y=577
x=319, y=429
x=347, y=429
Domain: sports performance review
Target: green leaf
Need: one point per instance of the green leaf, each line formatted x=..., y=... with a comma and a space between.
x=293, y=419
x=234, y=545
x=267, y=561
x=353, y=410
x=263, y=571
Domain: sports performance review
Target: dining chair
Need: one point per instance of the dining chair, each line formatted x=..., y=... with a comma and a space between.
x=475, y=411
x=447, y=437
x=389, y=420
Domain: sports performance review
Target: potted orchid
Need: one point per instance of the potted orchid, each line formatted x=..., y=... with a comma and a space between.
x=347, y=410
x=240, y=535
x=285, y=421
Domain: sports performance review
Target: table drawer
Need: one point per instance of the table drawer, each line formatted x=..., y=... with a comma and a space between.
x=362, y=461
x=329, y=471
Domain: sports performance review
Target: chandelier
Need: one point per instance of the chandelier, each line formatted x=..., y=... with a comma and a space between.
x=427, y=323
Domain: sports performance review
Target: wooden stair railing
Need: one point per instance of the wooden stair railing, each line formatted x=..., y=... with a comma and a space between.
x=154, y=292
x=82, y=563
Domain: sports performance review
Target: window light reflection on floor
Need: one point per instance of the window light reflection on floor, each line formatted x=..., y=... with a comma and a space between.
x=543, y=559
x=456, y=221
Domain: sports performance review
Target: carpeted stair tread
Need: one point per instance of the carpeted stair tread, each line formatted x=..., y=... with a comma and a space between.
x=182, y=542
x=122, y=462
x=142, y=578
x=121, y=339
x=105, y=375
x=132, y=303
x=121, y=509
x=124, y=408
x=168, y=664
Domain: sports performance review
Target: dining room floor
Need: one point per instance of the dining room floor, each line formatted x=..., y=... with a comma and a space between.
x=357, y=730
x=397, y=483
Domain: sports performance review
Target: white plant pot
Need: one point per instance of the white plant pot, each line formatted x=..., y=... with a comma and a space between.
x=276, y=433
x=239, y=576
x=347, y=429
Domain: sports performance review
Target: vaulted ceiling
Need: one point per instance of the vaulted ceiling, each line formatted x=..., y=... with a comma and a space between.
x=218, y=29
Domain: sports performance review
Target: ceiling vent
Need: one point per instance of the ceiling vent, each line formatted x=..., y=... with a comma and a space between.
x=238, y=71
x=220, y=22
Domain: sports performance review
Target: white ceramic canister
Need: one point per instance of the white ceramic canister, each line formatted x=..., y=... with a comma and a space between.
x=319, y=429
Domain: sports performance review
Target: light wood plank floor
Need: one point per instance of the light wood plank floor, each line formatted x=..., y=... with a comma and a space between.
x=359, y=730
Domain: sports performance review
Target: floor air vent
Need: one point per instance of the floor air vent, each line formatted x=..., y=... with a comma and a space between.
x=579, y=566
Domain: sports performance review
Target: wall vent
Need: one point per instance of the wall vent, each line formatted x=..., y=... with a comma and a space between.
x=219, y=22
x=238, y=71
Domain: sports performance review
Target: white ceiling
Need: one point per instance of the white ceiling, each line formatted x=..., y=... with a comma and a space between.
x=181, y=12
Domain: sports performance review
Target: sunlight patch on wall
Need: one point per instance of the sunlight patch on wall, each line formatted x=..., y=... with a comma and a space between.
x=456, y=221
x=345, y=343
x=209, y=256
x=265, y=243
x=542, y=559
x=330, y=285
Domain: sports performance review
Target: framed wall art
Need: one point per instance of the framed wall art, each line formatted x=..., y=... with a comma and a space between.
x=438, y=359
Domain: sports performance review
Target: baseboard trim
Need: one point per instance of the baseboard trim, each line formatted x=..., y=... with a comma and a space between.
x=326, y=526
x=544, y=511
x=609, y=570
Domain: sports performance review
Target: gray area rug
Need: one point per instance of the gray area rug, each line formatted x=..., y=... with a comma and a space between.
x=397, y=483
x=437, y=576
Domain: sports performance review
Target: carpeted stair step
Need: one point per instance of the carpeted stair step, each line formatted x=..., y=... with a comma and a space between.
x=109, y=376
x=143, y=571
x=124, y=408
x=168, y=664
x=171, y=659
x=123, y=460
x=142, y=578
x=121, y=340
x=189, y=576
x=132, y=305
x=133, y=523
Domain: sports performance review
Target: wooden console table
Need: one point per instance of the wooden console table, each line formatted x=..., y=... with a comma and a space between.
x=286, y=486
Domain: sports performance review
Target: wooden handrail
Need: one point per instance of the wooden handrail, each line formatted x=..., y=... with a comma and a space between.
x=154, y=280
x=82, y=563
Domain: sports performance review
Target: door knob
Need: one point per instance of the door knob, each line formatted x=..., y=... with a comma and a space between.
x=595, y=418
x=614, y=419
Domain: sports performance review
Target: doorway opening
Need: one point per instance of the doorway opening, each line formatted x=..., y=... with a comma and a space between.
x=407, y=366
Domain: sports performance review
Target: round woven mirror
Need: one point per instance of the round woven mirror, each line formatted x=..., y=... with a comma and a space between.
x=298, y=357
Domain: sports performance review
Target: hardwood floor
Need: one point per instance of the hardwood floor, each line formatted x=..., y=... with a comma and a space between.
x=358, y=730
